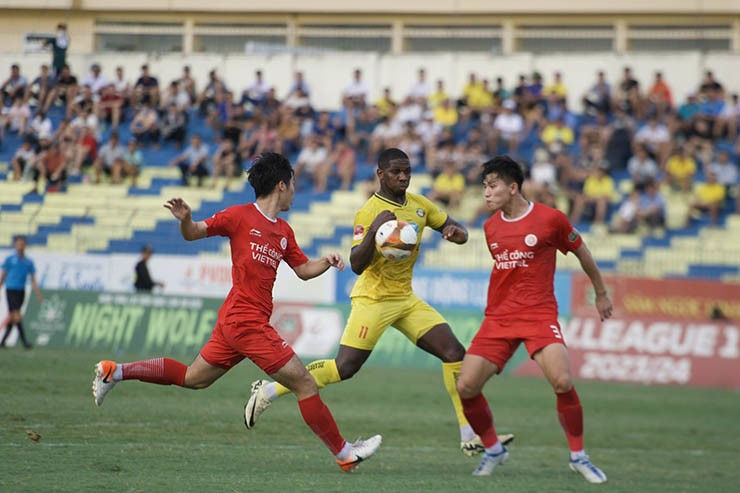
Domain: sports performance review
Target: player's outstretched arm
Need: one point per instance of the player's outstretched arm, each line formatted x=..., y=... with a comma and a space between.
x=453, y=231
x=362, y=254
x=189, y=229
x=602, y=301
x=316, y=267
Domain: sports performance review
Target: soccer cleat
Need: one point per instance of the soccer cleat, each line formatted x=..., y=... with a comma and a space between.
x=589, y=471
x=103, y=382
x=489, y=463
x=475, y=446
x=256, y=404
x=361, y=450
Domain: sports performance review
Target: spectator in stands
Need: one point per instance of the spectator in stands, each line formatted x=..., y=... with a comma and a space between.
x=542, y=182
x=86, y=117
x=15, y=118
x=146, y=89
x=226, y=162
x=357, y=90
x=625, y=218
x=627, y=95
x=208, y=98
x=24, y=161
x=445, y=114
x=656, y=138
x=145, y=125
x=255, y=92
x=177, y=95
x=651, y=210
x=110, y=160
x=65, y=88
x=680, y=169
x=448, y=186
x=14, y=86
x=598, y=98
x=174, y=125
x=342, y=162
x=727, y=122
x=409, y=112
x=109, y=108
x=709, y=197
x=193, y=161
x=710, y=83
x=270, y=104
x=688, y=110
x=122, y=87
x=40, y=128
x=660, y=98
x=534, y=90
x=386, y=105
x=481, y=100
x=641, y=167
x=266, y=138
x=95, y=80
x=298, y=103
x=132, y=161
x=143, y=282
x=289, y=133
x=187, y=83
x=51, y=165
x=299, y=84
x=598, y=192
x=59, y=45
x=38, y=90
x=310, y=159
x=556, y=135
x=421, y=89
x=439, y=95
x=85, y=151
x=508, y=128
x=725, y=169
x=556, y=91
x=248, y=139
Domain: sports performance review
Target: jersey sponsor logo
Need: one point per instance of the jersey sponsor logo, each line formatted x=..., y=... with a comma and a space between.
x=265, y=254
x=573, y=236
x=493, y=245
x=283, y=243
x=420, y=212
x=359, y=232
x=255, y=232
x=511, y=259
x=530, y=240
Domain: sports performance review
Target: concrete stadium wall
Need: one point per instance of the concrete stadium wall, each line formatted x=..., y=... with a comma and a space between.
x=329, y=73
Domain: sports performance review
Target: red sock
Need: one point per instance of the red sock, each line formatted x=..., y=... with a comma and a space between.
x=570, y=415
x=164, y=371
x=318, y=417
x=478, y=413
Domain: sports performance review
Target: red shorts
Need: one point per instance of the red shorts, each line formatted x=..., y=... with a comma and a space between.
x=497, y=340
x=231, y=342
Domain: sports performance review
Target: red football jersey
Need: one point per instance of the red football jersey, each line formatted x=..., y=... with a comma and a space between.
x=524, y=251
x=258, y=244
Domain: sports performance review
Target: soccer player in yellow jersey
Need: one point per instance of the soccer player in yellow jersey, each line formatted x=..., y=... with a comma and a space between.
x=382, y=297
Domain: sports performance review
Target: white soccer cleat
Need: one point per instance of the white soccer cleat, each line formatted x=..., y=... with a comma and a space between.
x=489, y=463
x=103, y=382
x=590, y=472
x=361, y=450
x=475, y=446
x=256, y=404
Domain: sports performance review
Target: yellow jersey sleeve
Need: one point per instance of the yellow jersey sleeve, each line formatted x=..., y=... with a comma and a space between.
x=363, y=219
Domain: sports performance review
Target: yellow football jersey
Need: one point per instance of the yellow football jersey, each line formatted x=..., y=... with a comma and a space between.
x=385, y=278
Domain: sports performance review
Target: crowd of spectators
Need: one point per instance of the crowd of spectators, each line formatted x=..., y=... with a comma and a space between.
x=574, y=158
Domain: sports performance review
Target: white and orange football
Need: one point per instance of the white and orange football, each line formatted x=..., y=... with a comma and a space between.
x=396, y=240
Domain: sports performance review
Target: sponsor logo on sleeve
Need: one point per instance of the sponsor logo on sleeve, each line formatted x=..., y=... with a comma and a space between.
x=358, y=233
x=420, y=212
x=573, y=236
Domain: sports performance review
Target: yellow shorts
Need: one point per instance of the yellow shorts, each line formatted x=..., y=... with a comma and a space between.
x=369, y=318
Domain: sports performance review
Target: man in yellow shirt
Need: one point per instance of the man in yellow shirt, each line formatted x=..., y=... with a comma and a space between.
x=449, y=186
x=598, y=191
x=446, y=114
x=680, y=169
x=709, y=197
x=382, y=296
x=439, y=95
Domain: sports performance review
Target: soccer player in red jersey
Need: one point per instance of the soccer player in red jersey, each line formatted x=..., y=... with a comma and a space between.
x=523, y=238
x=259, y=240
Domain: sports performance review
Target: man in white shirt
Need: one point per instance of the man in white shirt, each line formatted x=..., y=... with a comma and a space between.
x=508, y=126
x=255, y=92
x=421, y=89
x=311, y=157
x=95, y=80
x=357, y=90
x=656, y=137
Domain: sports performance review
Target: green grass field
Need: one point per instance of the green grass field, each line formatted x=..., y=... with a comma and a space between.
x=154, y=438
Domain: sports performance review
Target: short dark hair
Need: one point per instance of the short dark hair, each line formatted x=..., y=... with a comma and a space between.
x=505, y=168
x=391, y=154
x=20, y=237
x=268, y=169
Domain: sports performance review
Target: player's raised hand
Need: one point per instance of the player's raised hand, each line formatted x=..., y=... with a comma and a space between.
x=382, y=218
x=603, y=306
x=335, y=260
x=179, y=208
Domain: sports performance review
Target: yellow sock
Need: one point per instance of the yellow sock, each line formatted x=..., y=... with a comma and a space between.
x=324, y=371
x=450, y=373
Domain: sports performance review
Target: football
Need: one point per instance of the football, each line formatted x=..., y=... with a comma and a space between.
x=396, y=240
